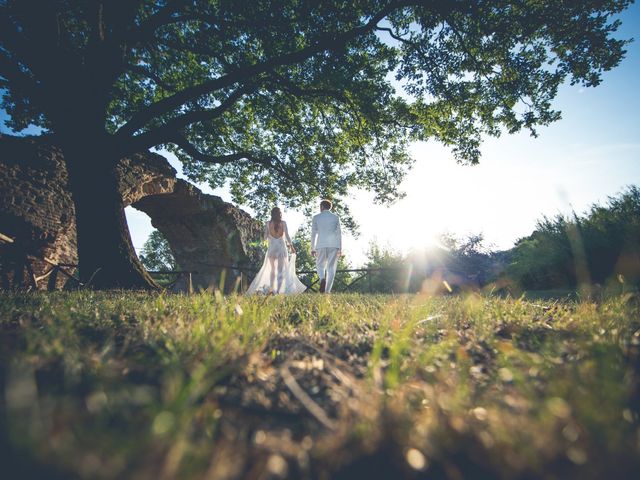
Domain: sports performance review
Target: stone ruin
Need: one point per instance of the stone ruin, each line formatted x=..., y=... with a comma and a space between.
x=36, y=211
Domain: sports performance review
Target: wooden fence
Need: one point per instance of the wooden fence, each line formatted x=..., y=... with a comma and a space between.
x=362, y=274
x=17, y=273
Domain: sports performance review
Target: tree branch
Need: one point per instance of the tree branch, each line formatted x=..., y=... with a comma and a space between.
x=268, y=162
x=191, y=150
x=156, y=136
x=35, y=41
x=164, y=16
x=10, y=70
x=12, y=40
x=196, y=154
x=478, y=65
x=329, y=41
x=139, y=69
x=286, y=84
x=417, y=48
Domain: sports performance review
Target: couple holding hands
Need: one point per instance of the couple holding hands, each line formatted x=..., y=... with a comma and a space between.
x=278, y=272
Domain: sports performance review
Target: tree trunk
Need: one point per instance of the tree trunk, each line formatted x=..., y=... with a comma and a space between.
x=107, y=259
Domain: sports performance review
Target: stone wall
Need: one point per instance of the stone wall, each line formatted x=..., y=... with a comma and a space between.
x=204, y=232
x=36, y=210
x=35, y=205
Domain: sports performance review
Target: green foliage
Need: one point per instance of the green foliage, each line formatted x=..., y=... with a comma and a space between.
x=600, y=247
x=156, y=253
x=304, y=260
x=132, y=385
x=386, y=281
x=290, y=100
x=461, y=262
x=471, y=257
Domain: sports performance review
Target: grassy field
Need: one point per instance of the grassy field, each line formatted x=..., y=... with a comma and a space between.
x=127, y=385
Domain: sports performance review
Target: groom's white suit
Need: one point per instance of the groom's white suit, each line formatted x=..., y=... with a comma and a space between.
x=326, y=241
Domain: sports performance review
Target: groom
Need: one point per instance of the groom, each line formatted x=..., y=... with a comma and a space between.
x=326, y=244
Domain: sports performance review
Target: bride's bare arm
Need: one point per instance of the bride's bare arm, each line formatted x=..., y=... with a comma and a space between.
x=266, y=231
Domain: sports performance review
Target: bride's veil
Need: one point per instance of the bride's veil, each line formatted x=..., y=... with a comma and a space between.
x=261, y=284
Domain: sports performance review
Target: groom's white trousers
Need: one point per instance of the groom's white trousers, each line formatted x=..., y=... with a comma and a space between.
x=326, y=263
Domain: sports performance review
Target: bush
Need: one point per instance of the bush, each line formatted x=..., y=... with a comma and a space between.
x=601, y=247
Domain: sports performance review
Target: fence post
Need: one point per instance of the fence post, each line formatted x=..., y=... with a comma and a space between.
x=190, y=284
x=53, y=279
x=33, y=281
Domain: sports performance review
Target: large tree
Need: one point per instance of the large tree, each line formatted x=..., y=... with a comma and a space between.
x=283, y=99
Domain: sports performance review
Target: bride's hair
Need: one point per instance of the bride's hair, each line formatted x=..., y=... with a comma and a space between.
x=276, y=218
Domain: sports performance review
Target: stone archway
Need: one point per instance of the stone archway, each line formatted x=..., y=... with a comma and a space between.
x=204, y=232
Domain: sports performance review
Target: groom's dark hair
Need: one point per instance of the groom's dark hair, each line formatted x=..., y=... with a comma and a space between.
x=326, y=205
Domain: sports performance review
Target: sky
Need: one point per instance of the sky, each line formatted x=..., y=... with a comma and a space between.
x=593, y=152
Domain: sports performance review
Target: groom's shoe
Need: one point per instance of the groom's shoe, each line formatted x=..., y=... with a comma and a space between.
x=323, y=284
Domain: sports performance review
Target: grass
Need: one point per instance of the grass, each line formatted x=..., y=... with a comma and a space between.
x=132, y=385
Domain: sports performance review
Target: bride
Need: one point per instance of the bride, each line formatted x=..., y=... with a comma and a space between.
x=278, y=272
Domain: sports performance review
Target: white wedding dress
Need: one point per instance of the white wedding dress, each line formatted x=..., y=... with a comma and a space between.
x=278, y=272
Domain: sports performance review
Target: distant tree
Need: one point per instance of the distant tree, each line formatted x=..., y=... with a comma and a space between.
x=544, y=259
x=467, y=260
x=605, y=240
x=304, y=262
x=156, y=253
x=470, y=257
x=391, y=271
x=283, y=98
x=612, y=237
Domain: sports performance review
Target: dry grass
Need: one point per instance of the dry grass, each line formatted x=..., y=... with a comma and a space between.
x=127, y=385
